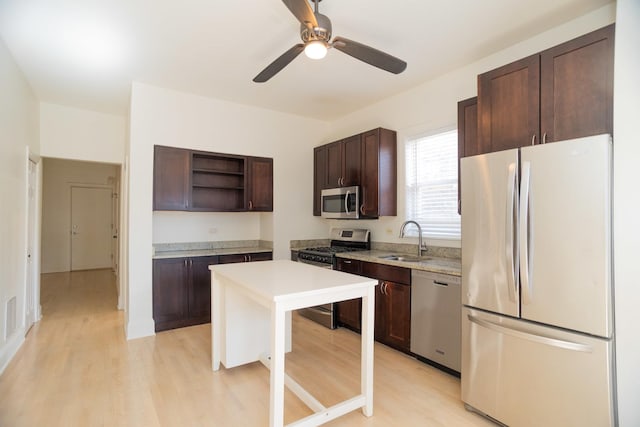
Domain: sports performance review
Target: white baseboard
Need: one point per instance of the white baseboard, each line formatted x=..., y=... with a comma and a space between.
x=139, y=329
x=10, y=348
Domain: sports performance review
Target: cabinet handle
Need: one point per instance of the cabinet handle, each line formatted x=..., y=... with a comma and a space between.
x=185, y=262
x=544, y=138
x=533, y=139
x=250, y=205
x=249, y=258
x=339, y=182
x=362, y=208
x=437, y=283
x=346, y=261
x=190, y=262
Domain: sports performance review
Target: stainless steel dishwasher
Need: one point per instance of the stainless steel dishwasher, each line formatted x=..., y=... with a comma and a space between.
x=435, y=318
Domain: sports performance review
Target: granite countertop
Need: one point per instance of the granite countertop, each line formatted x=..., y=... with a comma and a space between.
x=442, y=265
x=209, y=252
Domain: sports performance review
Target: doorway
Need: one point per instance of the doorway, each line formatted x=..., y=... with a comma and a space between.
x=91, y=228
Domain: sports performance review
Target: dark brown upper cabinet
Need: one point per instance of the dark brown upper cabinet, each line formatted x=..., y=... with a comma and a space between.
x=467, y=134
x=509, y=105
x=343, y=163
x=171, y=178
x=260, y=188
x=367, y=160
x=189, y=180
x=378, y=178
x=562, y=93
x=576, y=87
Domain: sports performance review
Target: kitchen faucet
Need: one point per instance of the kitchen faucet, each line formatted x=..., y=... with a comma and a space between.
x=420, y=245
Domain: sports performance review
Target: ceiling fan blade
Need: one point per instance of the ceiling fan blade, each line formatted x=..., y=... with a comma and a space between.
x=277, y=65
x=370, y=55
x=302, y=11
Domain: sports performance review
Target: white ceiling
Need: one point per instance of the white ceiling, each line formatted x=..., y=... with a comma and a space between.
x=86, y=53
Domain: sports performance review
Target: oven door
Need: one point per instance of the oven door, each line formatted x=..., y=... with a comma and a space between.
x=323, y=314
x=341, y=203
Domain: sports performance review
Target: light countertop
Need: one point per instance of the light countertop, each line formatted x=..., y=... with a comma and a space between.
x=449, y=266
x=209, y=252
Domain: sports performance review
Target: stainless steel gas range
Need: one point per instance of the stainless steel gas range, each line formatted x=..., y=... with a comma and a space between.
x=342, y=240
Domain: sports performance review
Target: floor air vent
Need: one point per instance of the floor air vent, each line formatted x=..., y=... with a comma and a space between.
x=10, y=321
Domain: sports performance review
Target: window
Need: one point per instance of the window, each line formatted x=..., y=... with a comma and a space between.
x=432, y=184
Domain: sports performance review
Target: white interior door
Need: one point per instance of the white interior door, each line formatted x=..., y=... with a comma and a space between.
x=91, y=214
x=30, y=303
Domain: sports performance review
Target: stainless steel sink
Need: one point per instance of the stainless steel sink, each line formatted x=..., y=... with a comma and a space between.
x=402, y=258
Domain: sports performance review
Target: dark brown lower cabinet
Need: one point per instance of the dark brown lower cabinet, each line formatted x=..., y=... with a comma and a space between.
x=249, y=257
x=349, y=314
x=181, y=292
x=393, y=315
x=392, y=324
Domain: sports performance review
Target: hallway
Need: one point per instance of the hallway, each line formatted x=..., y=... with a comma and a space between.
x=76, y=369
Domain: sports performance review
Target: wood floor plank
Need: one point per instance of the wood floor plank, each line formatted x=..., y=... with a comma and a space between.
x=77, y=369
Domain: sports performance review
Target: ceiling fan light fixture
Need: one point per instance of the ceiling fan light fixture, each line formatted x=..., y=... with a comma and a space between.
x=315, y=49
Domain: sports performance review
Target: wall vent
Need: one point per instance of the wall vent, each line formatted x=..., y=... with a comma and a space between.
x=10, y=320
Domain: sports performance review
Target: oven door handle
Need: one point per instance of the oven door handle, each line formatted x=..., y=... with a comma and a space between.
x=319, y=311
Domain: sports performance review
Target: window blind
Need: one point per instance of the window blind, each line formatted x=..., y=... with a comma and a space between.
x=432, y=184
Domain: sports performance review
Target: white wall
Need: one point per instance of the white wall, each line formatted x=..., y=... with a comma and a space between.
x=626, y=148
x=58, y=177
x=433, y=106
x=18, y=130
x=72, y=133
x=165, y=117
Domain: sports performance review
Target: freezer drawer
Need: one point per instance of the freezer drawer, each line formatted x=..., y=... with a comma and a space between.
x=523, y=374
x=435, y=317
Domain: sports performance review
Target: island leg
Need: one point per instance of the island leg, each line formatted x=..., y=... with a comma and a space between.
x=276, y=404
x=366, y=363
x=216, y=321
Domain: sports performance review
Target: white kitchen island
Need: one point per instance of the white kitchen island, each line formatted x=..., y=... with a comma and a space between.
x=251, y=305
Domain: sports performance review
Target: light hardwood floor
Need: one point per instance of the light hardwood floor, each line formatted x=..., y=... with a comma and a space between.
x=77, y=369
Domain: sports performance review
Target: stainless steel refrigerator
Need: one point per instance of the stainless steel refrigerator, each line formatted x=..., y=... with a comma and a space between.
x=537, y=315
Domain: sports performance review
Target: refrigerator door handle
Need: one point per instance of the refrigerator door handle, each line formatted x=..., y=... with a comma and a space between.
x=511, y=237
x=553, y=342
x=526, y=231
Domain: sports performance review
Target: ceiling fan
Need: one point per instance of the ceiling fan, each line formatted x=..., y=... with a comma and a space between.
x=315, y=31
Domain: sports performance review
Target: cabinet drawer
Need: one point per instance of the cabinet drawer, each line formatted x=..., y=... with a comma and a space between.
x=389, y=273
x=349, y=266
x=256, y=256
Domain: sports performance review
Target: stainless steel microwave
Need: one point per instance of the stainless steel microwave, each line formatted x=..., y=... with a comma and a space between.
x=341, y=203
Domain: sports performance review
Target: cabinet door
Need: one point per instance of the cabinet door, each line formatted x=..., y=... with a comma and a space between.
x=334, y=165
x=380, y=321
x=260, y=191
x=170, y=305
x=398, y=315
x=467, y=134
x=200, y=289
x=171, y=172
x=351, y=161
x=577, y=87
x=378, y=178
x=249, y=257
x=509, y=106
x=350, y=311
x=260, y=256
x=232, y=258
x=319, y=177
